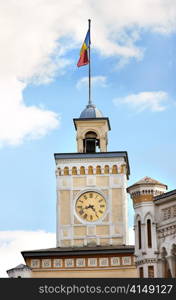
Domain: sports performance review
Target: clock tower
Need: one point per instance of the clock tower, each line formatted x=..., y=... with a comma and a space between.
x=91, y=187
x=91, y=209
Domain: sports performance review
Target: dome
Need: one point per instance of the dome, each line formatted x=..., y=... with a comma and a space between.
x=91, y=112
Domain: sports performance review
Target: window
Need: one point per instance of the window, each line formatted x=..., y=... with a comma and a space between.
x=149, y=234
x=150, y=271
x=141, y=272
x=139, y=234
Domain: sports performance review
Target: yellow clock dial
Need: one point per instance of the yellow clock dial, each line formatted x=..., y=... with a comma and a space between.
x=90, y=206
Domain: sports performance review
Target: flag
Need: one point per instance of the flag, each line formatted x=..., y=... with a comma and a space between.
x=84, y=59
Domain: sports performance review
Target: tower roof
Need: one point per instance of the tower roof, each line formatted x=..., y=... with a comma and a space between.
x=147, y=181
x=91, y=112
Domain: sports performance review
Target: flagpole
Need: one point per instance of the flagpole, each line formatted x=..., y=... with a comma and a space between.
x=90, y=101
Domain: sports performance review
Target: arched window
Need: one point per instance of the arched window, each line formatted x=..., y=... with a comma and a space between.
x=66, y=171
x=59, y=171
x=90, y=170
x=91, y=142
x=149, y=234
x=139, y=234
x=98, y=170
x=82, y=171
x=114, y=169
x=106, y=169
x=74, y=171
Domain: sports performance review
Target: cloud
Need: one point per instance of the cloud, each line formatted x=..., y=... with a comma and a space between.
x=153, y=101
x=36, y=35
x=95, y=80
x=13, y=242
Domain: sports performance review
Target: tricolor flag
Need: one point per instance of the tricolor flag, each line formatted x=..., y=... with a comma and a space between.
x=84, y=59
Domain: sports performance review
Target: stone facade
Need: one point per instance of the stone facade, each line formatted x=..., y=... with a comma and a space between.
x=155, y=228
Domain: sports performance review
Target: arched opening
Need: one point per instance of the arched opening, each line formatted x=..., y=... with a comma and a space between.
x=91, y=142
x=149, y=234
x=66, y=171
x=90, y=170
x=114, y=169
x=98, y=170
x=139, y=235
x=82, y=171
x=106, y=169
x=59, y=171
x=74, y=171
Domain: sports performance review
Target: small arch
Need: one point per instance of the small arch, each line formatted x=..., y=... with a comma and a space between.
x=66, y=171
x=90, y=135
x=98, y=170
x=82, y=170
x=90, y=170
x=114, y=169
x=106, y=169
x=122, y=168
x=74, y=171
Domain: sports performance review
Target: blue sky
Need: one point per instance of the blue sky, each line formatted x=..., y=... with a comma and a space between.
x=42, y=90
x=27, y=170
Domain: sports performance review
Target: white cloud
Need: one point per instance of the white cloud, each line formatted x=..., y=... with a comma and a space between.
x=13, y=242
x=95, y=80
x=35, y=36
x=153, y=101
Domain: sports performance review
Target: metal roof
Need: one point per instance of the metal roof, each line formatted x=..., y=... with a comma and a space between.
x=91, y=112
x=165, y=195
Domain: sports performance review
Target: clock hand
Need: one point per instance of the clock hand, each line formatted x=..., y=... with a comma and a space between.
x=92, y=207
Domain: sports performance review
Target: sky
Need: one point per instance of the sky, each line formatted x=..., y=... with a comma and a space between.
x=133, y=65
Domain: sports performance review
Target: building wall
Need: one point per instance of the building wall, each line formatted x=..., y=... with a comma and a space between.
x=118, y=273
x=112, y=229
x=121, y=265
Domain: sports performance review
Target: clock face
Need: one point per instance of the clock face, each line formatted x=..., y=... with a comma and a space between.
x=90, y=206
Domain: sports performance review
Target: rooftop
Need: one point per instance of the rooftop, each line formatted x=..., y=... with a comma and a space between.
x=91, y=112
x=148, y=181
x=60, y=251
